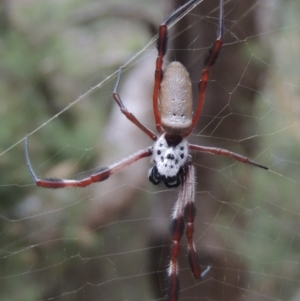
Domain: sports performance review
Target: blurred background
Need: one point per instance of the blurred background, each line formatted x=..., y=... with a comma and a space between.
x=111, y=241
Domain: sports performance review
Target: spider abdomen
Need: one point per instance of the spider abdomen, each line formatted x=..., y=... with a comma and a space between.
x=176, y=101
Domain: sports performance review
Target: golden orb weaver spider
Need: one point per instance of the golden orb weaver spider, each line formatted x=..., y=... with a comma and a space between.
x=172, y=164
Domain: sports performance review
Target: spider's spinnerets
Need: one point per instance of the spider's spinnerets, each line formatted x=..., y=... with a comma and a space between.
x=168, y=158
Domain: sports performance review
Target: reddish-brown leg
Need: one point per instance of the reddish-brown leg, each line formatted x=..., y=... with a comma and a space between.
x=128, y=114
x=177, y=228
x=183, y=214
x=209, y=61
x=189, y=216
x=224, y=152
x=98, y=176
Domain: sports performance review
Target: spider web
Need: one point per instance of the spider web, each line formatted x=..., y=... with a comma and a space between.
x=110, y=241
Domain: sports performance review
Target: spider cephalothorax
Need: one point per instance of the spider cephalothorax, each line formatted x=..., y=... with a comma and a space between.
x=169, y=157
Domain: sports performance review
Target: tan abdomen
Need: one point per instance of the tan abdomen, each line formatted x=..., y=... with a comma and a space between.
x=176, y=100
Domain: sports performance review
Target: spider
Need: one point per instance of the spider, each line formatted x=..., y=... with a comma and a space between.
x=171, y=158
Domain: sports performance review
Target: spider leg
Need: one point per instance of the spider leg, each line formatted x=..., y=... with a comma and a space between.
x=128, y=114
x=177, y=228
x=208, y=62
x=162, y=48
x=224, y=152
x=189, y=215
x=101, y=175
x=184, y=213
